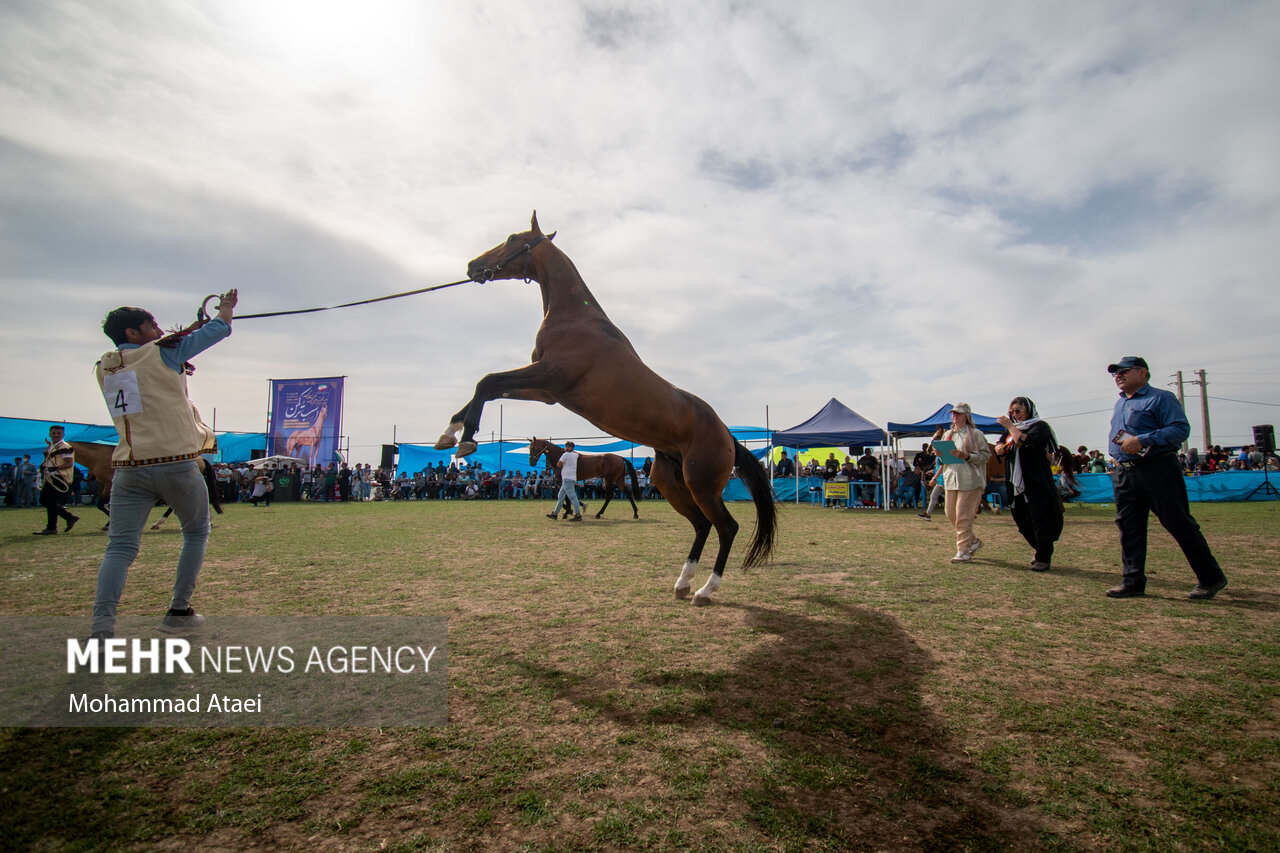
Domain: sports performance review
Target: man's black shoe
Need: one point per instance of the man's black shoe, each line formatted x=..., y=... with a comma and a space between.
x=552, y=516
x=1126, y=591
x=1203, y=593
x=48, y=531
x=71, y=522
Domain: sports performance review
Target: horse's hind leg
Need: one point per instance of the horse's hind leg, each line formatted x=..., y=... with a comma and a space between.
x=666, y=477
x=608, y=496
x=706, y=470
x=726, y=530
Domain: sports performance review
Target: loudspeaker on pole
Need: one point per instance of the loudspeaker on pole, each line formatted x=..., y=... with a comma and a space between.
x=1264, y=436
x=388, y=456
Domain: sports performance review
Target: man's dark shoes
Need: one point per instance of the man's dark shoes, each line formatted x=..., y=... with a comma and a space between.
x=1201, y=593
x=48, y=531
x=552, y=516
x=180, y=620
x=71, y=522
x=576, y=518
x=1125, y=590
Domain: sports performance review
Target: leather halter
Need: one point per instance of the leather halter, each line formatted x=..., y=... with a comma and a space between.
x=526, y=251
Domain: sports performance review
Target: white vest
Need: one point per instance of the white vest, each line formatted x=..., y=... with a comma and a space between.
x=148, y=403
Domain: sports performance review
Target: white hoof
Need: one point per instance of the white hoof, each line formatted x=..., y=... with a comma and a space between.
x=703, y=596
x=449, y=437
x=466, y=448
x=686, y=575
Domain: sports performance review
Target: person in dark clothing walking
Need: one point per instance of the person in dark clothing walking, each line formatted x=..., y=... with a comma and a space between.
x=1147, y=427
x=1037, y=507
x=59, y=471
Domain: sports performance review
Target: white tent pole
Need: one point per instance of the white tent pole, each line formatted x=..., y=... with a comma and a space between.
x=796, y=464
x=884, y=474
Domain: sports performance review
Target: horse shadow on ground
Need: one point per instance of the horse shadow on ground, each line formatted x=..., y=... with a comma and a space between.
x=855, y=757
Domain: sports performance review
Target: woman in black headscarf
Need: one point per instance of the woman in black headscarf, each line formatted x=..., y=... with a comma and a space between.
x=1037, y=506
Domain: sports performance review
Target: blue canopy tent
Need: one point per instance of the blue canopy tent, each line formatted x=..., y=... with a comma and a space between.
x=834, y=425
x=942, y=418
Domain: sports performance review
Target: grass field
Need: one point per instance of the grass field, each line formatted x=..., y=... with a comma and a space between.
x=861, y=693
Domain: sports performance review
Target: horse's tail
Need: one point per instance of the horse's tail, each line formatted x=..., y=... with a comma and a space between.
x=635, y=481
x=757, y=482
x=211, y=483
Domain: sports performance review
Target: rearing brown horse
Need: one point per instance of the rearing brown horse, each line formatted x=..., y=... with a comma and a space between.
x=586, y=364
x=610, y=467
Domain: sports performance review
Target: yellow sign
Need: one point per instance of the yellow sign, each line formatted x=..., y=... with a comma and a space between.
x=833, y=491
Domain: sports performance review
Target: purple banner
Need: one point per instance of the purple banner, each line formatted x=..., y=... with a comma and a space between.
x=306, y=419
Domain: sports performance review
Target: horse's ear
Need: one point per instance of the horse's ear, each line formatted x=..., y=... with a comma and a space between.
x=551, y=236
x=533, y=223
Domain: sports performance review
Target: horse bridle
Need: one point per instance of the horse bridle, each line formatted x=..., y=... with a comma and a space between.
x=526, y=251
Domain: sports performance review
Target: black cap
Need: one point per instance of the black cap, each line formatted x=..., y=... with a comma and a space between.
x=1127, y=362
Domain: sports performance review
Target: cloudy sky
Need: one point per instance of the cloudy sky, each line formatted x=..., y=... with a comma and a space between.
x=896, y=204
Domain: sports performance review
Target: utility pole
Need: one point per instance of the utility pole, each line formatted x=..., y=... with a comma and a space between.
x=1203, y=382
x=1183, y=403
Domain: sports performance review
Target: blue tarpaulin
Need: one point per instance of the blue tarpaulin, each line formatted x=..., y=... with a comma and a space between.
x=19, y=436
x=1094, y=488
x=513, y=454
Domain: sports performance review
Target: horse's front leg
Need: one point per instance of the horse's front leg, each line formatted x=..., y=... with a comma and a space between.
x=526, y=383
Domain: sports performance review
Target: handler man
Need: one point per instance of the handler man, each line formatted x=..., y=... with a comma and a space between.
x=568, y=466
x=144, y=384
x=59, y=470
x=1147, y=427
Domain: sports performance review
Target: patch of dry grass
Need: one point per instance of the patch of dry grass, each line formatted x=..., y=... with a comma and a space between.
x=860, y=693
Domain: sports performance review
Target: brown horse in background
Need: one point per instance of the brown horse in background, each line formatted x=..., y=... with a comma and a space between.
x=582, y=361
x=610, y=467
x=97, y=458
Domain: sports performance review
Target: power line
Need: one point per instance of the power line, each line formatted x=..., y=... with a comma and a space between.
x=1057, y=417
x=1248, y=402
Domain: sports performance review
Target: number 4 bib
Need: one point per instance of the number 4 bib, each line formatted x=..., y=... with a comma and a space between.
x=120, y=391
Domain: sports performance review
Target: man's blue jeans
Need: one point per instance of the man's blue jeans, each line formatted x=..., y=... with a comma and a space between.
x=568, y=493
x=134, y=491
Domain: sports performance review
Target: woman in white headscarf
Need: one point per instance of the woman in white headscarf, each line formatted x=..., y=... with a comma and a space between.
x=965, y=480
x=1037, y=506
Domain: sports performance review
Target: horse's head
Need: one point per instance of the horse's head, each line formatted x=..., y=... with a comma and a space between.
x=510, y=258
x=536, y=446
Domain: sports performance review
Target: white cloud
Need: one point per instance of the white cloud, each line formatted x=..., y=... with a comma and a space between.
x=777, y=202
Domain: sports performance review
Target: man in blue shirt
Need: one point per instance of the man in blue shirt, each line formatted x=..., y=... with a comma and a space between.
x=1147, y=427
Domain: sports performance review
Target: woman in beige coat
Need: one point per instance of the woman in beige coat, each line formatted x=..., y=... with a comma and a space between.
x=965, y=480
